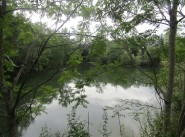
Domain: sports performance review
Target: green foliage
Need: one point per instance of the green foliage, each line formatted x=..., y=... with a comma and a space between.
x=180, y=49
x=15, y=27
x=151, y=125
x=132, y=51
x=104, y=131
x=86, y=11
x=24, y=45
x=66, y=96
x=147, y=127
x=98, y=49
x=125, y=14
x=67, y=76
x=44, y=59
x=61, y=50
x=45, y=132
x=48, y=93
x=69, y=95
x=76, y=127
x=117, y=113
x=75, y=59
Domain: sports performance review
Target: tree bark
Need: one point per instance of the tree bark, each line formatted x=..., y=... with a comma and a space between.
x=181, y=122
x=183, y=133
x=172, y=39
x=12, y=130
x=1, y=49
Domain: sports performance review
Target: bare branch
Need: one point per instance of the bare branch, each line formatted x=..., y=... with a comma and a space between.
x=64, y=44
x=183, y=16
x=161, y=12
x=71, y=34
x=159, y=21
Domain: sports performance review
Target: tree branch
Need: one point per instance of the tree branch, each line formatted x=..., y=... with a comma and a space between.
x=56, y=72
x=161, y=12
x=21, y=70
x=39, y=55
x=71, y=34
x=183, y=16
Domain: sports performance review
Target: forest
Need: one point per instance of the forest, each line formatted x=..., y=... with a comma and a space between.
x=134, y=47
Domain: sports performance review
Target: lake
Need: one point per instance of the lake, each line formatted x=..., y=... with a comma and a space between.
x=55, y=117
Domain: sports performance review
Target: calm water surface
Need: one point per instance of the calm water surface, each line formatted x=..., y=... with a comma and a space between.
x=56, y=115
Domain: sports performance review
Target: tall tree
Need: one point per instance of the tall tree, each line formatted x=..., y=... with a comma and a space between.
x=12, y=91
x=7, y=95
x=127, y=15
x=172, y=11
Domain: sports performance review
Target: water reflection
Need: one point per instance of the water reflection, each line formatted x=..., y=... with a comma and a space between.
x=111, y=93
x=56, y=119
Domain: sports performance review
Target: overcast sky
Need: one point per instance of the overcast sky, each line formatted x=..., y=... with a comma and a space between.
x=72, y=23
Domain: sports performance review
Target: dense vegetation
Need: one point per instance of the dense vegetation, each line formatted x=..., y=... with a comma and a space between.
x=28, y=48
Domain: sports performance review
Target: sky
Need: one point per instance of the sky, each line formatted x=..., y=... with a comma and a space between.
x=73, y=22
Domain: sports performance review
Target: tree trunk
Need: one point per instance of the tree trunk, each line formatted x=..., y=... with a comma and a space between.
x=183, y=86
x=172, y=39
x=1, y=49
x=13, y=126
x=181, y=123
x=183, y=133
x=7, y=95
x=12, y=130
x=1, y=52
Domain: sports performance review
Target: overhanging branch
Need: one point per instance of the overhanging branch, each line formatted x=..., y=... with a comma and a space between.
x=43, y=47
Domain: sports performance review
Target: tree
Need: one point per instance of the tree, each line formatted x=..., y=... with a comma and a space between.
x=12, y=90
x=127, y=15
x=4, y=91
x=180, y=60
